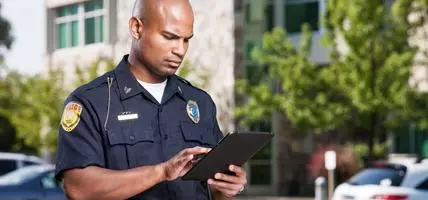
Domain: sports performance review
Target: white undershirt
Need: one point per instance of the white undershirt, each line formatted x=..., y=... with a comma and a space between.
x=155, y=89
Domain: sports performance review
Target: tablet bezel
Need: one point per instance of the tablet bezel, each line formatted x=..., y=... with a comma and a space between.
x=195, y=173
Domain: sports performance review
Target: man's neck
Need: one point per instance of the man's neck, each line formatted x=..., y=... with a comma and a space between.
x=141, y=72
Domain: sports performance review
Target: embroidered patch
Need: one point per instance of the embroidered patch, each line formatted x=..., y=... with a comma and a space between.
x=193, y=111
x=71, y=116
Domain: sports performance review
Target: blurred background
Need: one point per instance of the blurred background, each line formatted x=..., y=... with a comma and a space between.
x=348, y=76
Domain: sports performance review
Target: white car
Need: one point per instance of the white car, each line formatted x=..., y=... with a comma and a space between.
x=386, y=182
x=12, y=161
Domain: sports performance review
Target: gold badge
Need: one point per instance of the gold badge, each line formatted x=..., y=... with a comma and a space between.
x=71, y=116
x=193, y=111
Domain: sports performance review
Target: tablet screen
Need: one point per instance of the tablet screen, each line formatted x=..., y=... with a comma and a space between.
x=236, y=149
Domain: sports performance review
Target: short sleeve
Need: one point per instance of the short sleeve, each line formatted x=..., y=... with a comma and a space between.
x=79, y=139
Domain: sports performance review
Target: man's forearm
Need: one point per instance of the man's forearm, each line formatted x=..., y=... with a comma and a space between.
x=99, y=183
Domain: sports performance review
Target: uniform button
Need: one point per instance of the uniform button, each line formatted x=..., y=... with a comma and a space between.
x=165, y=137
x=132, y=137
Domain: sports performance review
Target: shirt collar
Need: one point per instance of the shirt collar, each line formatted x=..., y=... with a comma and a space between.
x=128, y=85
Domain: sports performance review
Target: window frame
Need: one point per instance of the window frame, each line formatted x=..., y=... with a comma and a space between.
x=321, y=9
x=80, y=17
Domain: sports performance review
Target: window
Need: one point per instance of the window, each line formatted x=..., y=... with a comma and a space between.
x=7, y=166
x=28, y=163
x=298, y=12
x=67, y=26
x=80, y=24
x=94, y=22
x=375, y=176
x=269, y=17
x=260, y=166
x=423, y=185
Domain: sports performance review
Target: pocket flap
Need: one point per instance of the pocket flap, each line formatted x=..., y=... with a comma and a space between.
x=196, y=133
x=119, y=135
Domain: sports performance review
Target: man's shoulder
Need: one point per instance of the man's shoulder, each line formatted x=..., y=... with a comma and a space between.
x=194, y=90
x=96, y=85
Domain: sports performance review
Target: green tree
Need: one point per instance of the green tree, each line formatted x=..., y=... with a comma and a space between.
x=6, y=38
x=37, y=103
x=7, y=132
x=34, y=108
x=365, y=89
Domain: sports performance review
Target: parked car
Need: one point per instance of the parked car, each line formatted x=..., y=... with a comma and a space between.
x=12, y=161
x=36, y=182
x=386, y=182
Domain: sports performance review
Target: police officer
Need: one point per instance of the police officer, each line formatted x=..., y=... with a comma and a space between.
x=134, y=131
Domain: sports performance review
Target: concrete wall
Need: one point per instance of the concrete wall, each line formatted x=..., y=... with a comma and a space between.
x=212, y=48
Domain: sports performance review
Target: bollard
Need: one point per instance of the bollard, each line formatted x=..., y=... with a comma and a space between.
x=321, y=188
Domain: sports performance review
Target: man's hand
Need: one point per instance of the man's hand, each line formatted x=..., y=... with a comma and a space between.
x=229, y=186
x=181, y=163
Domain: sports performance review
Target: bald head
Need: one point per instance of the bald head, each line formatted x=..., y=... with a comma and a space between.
x=161, y=30
x=151, y=9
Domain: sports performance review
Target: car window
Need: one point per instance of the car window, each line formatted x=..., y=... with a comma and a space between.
x=28, y=163
x=49, y=181
x=423, y=185
x=378, y=176
x=20, y=175
x=7, y=166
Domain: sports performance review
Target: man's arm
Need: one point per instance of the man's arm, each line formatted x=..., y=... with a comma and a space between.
x=100, y=183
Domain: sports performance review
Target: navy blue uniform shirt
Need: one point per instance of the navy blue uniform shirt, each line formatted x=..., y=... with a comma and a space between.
x=114, y=123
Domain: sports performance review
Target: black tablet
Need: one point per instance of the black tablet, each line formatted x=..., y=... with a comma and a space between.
x=234, y=149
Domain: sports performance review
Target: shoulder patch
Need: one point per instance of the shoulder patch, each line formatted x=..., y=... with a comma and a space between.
x=71, y=116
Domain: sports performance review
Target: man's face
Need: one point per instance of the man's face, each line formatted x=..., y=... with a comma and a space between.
x=165, y=40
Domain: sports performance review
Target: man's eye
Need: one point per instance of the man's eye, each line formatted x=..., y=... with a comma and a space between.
x=168, y=37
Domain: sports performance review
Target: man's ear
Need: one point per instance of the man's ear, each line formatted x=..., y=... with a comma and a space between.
x=135, y=27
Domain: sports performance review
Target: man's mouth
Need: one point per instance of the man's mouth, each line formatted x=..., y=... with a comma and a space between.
x=173, y=63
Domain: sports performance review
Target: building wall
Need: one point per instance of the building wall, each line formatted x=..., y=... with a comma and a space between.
x=212, y=47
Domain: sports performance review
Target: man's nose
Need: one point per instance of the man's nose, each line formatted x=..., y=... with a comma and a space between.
x=179, y=49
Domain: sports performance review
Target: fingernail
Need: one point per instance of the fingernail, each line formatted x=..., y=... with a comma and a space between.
x=231, y=167
x=217, y=176
x=210, y=181
x=191, y=157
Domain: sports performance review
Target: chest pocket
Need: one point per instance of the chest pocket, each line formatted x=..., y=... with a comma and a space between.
x=131, y=145
x=129, y=134
x=197, y=134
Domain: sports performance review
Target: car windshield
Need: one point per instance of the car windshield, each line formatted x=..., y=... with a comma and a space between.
x=21, y=175
x=378, y=176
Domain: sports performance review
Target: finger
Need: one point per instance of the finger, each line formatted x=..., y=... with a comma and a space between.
x=225, y=185
x=196, y=150
x=186, y=168
x=228, y=178
x=239, y=171
x=184, y=159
